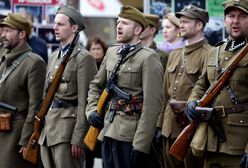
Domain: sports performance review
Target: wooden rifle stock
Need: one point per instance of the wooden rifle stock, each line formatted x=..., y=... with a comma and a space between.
x=90, y=139
x=181, y=145
x=32, y=152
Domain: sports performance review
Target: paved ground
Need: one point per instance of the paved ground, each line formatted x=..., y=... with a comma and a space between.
x=98, y=163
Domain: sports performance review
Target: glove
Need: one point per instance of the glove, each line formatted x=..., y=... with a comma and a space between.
x=244, y=161
x=96, y=120
x=138, y=158
x=190, y=112
x=158, y=136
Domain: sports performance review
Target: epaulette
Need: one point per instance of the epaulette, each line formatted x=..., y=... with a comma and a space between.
x=219, y=43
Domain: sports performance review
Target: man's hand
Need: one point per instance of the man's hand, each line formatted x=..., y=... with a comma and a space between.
x=244, y=161
x=76, y=151
x=190, y=111
x=23, y=151
x=96, y=120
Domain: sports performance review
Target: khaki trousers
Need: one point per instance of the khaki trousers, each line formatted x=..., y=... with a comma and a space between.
x=59, y=156
x=190, y=160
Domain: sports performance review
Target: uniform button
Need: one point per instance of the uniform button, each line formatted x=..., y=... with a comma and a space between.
x=181, y=66
x=129, y=68
x=175, y=88
x=56, y=67
x=51, y=77
x=226, y=58
x=176, y=81
x=174, y=96
x=180, y=74
x=241, y=121
x=73, y=115
x=63, y=78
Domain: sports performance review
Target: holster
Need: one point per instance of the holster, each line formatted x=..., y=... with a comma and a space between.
x=5, y=122
x=178, y=109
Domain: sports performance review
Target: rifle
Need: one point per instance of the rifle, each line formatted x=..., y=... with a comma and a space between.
x=181, y=145
x=90, y=139
x=32, y=152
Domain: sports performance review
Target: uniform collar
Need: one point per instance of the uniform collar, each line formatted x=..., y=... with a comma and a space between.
x=233, y=45
x=194, y=46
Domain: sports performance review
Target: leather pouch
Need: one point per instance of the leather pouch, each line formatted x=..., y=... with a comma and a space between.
x=5, y=122
x=178, y=108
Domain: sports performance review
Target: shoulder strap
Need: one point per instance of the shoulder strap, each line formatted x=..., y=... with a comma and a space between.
x=15, y=63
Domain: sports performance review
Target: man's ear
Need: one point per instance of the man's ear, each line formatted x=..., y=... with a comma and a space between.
x=74, y=28
x=22, y=34
x=138, y=30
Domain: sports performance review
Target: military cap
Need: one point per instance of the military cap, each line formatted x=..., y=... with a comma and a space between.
x=132, y=13
x=194, y=12
x=17, y=21
x=240, y=4
x=172, y=18
x=152, y=20
x=74, y=14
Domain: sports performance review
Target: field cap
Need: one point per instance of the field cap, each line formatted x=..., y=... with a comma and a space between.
x=74, y=14
x=152, y=20
x=194, y=12
x=240, y=4
x=132, y=13
x=17, y=21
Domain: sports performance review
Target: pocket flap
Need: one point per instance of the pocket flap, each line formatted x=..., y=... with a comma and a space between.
x=69, y=113
x=238, y=119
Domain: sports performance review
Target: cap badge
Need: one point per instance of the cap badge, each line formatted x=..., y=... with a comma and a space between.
x=236, y=2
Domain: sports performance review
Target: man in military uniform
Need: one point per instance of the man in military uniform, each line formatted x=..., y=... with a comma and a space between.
x=148, y=35
x=127, y=135
x=184, y=67
x=21, y=85
x=65, y=123
x=231, y=101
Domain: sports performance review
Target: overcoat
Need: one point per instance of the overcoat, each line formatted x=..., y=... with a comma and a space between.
x=23, y=89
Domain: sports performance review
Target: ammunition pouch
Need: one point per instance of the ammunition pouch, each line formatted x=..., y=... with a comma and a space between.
x=213, y=118
x=129, y=107
x=5, y=122
x=178, y=109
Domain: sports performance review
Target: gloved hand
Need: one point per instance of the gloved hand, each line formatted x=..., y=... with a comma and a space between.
x=244, y=161
x=190, y=112
x=96, y=120
x=138, y=158
x=158, y=137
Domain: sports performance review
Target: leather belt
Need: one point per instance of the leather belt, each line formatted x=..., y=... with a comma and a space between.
x=223, y=111
x=18, y=116
x=129, y=107
x=64, y=103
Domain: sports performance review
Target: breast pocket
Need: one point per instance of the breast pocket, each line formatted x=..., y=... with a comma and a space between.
x=130, y=76
x=241, y=72
x=65, y=82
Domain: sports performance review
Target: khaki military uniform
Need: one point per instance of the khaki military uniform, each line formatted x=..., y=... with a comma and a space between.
x=162, y=54
x=23, y=89
x=67, y=125
x=138, y=75
x=235, y=123
x=179, y=79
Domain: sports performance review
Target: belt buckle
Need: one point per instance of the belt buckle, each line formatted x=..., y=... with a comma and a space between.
x=221, y=111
